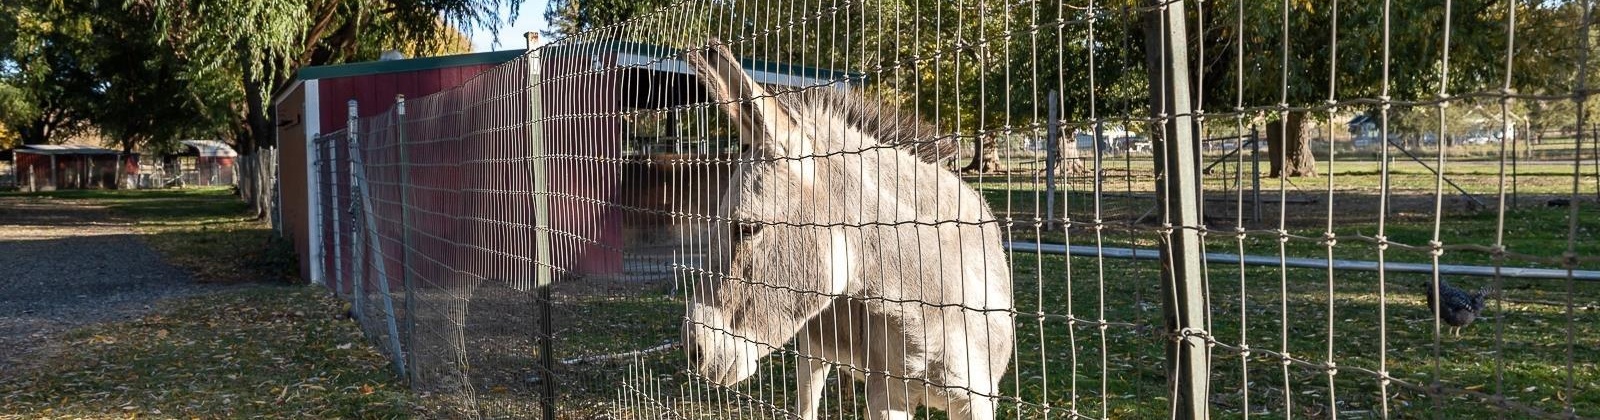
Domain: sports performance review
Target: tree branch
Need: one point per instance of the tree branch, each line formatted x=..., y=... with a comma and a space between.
x=329, y=9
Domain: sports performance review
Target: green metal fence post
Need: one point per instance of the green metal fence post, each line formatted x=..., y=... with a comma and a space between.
x=1188, y=367
x=544, y=275
x=406, y=226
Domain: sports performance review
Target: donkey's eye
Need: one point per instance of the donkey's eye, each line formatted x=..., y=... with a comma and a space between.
x=746, y=230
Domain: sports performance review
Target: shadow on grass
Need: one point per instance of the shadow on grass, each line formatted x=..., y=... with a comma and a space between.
x=207, y=231
x=168, y=206
x=263, y=351
x=226, y=252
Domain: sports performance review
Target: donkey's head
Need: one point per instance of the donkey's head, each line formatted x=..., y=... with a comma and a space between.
x=786, y=241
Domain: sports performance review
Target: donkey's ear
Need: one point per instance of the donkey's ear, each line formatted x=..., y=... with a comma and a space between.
x=761, y=119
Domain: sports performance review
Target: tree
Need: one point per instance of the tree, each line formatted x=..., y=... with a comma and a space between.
x=287, y=35
x=990, y=77
x=572, y=17
x=145, y=94
x=42, y=74
x=1266, y=37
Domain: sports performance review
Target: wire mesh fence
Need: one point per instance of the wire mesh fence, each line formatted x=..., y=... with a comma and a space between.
x=982, y=209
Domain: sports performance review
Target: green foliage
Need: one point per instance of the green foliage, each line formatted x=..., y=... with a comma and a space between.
x=572, y=17
x=1403, y=57
x=43, y=73
x=286, y=35
x=70, y=66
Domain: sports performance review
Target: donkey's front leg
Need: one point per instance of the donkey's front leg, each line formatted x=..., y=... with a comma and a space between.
x=886, y=399
x=972, y=407
x=811, y=374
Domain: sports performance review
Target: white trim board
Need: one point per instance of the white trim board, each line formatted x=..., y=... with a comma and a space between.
x=313, y=127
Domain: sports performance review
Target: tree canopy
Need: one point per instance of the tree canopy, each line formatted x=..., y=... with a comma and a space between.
x=143, y=71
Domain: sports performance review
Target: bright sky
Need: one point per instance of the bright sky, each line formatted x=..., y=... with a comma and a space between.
x=530, y=18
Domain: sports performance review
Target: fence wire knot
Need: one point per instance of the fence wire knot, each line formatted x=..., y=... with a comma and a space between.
x=1331, y=367
x=1187, y=333
x=1435, y=248
x=1330, y=239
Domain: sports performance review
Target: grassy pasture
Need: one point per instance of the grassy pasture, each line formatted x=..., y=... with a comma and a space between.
x=263, y=346
x=1520, y=350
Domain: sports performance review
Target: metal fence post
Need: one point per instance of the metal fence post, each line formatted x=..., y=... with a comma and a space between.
x=1053, y=139
x=339, y=281
x=544, y=275
x=318, y=251
x=1099, y=156
x=358, y=248
x=1255, y=175
x=359, y=191
x=409, y=350
x=1188, y=367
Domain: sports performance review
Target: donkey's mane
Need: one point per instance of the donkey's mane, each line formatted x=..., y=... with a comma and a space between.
x=890, y=125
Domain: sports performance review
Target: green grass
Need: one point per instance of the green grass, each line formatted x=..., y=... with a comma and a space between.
x=264, y=351
x=262, y=347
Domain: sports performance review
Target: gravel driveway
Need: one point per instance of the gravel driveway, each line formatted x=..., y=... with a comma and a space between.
x=66, y=264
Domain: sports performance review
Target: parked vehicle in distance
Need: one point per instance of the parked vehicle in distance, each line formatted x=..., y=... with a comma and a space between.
x=1476, y=139
x=1134, y=144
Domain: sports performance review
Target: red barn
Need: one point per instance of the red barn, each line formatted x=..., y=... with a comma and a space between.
x=315, y=103
x=59, y=167
x=615, y=102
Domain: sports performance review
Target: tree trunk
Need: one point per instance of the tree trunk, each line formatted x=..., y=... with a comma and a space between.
x=1298, y=152
x=1068, y=161
x=985, y=155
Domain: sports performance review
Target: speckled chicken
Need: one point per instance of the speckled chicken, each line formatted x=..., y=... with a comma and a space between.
x=1460, y=307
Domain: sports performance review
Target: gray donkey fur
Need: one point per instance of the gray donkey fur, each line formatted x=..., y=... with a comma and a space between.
x=848, y=241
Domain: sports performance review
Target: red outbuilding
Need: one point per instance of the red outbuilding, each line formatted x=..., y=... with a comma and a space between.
x=60, y=167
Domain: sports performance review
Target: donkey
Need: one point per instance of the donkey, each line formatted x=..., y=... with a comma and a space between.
x=847, y=240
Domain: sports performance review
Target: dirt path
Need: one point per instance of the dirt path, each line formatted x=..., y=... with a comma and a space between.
x=66, y=264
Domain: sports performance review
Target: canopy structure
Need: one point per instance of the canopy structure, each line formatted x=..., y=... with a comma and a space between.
x=211, y=148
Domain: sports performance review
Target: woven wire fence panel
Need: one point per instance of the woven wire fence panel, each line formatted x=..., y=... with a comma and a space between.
x=447, y=287
x=812, y=239
x=997, y=210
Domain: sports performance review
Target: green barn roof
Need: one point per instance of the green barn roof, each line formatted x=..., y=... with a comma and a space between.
x=497, y=57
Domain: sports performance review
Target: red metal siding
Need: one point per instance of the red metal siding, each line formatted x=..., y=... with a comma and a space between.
x=35, y=173
x=584, y=168
x=375, y=93
x=583, y=136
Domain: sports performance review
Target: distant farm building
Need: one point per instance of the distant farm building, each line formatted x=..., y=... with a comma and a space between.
x=202, y=163
x=60, y=167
